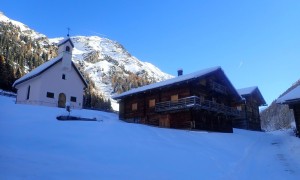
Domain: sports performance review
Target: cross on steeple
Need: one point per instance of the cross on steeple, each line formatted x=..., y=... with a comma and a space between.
x=68, y=31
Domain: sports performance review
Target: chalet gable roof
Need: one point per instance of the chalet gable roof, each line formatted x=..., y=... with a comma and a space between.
x=179, y=79
x=247, y=91
x=64, y=41
x=44, y=67
x=291, y=97
x=252, y=91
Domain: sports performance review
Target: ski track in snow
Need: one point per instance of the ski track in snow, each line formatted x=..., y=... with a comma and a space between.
x=264, y=157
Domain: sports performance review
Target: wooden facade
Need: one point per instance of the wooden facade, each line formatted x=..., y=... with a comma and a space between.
x=252, y=100
x=292, y=99
x=204, y=101
x=296, y=109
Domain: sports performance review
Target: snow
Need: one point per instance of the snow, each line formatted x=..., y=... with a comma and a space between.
x=293, y=95
x=55, y=40
x=24, y=29
x=248, y=90
x=169, y=81
x=103, y=48
x=38, y=70
x=63, y=41
x=34, y=145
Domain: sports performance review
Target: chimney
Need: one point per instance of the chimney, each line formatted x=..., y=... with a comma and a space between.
x=179, y=72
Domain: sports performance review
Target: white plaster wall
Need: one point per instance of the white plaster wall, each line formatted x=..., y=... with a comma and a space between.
x=34, y=92
x=51, y=81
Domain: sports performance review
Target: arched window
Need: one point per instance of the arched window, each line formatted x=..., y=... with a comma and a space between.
x=63, y=76
x=68, y=49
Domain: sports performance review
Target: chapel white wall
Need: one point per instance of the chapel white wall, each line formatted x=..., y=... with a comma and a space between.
x=51, y=81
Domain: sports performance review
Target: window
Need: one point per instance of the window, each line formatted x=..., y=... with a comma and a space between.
x=73, y=99
x=203, y=82
x=50, y=95
x=68, y=49
x=151, y=102
x=63, y=76
x=239, y=108
x=28, y=92
x=174, y=97
x=202, y=98
x=134, y=107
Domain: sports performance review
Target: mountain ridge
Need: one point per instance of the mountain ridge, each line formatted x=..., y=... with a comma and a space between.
x=103, y=61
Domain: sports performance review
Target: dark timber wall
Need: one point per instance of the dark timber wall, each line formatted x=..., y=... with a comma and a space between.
x=189, y=118
x=296, y=110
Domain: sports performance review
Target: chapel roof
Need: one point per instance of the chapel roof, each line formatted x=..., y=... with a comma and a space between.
x=63, y=41
x=44, y=67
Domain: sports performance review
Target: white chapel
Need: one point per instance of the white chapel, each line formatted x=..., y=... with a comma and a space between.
x=54, y=83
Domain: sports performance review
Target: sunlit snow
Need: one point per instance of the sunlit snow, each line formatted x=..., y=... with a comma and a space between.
x=34, y=145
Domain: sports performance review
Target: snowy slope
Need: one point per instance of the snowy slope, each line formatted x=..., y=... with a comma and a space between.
x=37, y=146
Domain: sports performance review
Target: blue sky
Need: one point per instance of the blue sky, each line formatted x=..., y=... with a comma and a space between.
x=257, y=42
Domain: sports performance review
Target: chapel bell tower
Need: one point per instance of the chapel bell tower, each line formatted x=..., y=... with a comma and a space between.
x=65, y=47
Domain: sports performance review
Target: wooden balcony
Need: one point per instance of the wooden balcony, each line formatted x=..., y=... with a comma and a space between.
x=196, y=103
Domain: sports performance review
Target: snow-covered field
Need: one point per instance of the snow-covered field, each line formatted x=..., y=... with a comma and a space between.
x=34, y=145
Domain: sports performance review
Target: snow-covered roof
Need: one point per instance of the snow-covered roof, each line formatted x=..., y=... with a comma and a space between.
x=63, y=41
x=246, y=91
x=35, y=72
x=42, y=68
x=251, y=90
x=177, y=79
x=290, y=97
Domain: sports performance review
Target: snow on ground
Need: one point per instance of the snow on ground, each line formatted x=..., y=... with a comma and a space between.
x=34, y=145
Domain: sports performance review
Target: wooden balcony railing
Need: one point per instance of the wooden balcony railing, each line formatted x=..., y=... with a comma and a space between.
x=195, y=102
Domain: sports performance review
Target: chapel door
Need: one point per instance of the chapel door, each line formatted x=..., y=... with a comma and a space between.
x=62, y=100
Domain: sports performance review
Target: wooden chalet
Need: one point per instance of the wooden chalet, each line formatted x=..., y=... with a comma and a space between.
x=292, y=99
x=252, y=99
x=204, y=100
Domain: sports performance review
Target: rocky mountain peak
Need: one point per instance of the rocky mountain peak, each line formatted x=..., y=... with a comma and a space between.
x=105, y=62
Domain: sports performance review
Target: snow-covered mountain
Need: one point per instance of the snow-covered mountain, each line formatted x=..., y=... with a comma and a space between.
x=24, y=29
x=100, y=59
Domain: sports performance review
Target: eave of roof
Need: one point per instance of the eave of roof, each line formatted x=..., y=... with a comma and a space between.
x=44, y=67
x=252, y=90
x=291, y=97
x=80, y=75
x=177, y=80
x=247, y=91
x=38, y=70
x=64, y=41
